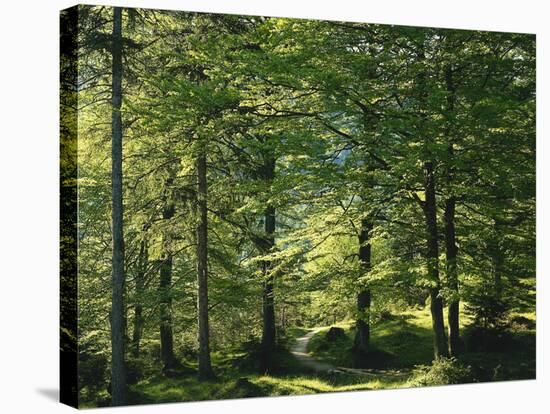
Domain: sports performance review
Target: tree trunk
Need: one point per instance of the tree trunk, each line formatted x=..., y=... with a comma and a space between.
x=165, y=294
x=362, y=335
x=430, y=213
x=451, y=251
x=118, y=368
x=269, y=331
x=143, y=260
x=497, y=261
x=205, y=367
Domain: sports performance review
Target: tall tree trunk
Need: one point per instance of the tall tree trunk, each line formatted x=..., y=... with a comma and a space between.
x=118, y=368
x=205, y=367
x=269, y=334
x=451, y=251
x=143, y=260
x=165, y=285
x=429, y=207
x=362, y=335
x=430, y=213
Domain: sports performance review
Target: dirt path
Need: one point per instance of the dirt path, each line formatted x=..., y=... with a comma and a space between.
x=299, y=350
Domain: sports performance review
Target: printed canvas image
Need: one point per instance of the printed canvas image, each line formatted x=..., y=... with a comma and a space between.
x=257, y=206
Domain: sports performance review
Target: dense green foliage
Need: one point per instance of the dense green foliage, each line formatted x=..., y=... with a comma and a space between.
x=378, y=177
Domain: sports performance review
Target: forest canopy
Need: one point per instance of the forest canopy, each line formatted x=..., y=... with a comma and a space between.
x=245, y=185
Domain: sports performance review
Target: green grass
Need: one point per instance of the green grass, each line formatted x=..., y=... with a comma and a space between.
x=160, y=389
x=400, y=342
x=295, y=332
x=234, y=380
x=405, y=340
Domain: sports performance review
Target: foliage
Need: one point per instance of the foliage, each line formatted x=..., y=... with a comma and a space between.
x=328, y=127
x=442, y=371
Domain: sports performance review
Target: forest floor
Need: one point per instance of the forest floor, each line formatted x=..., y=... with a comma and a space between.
x=301, y=347
x=310, y=363
x=403, y=341
x=299, y=350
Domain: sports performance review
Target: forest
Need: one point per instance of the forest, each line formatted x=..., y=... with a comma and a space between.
x=260, y=206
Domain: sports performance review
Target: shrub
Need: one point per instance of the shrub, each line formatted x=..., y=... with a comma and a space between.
x=335, y=334
x=489, y=310
x=139, y=368
x=490, y=329
x=93, y=372
x=443, y=371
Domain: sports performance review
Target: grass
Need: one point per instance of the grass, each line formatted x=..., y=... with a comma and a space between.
x=295, y=332
x=400, y=343
x=403, y=341
x=160, y=389
x=233, y=381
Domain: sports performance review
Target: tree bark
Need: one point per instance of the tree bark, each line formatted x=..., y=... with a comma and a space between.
x=362, y=334
x=143, y=260
x=165, y=308
x=436, y=307
x=205, y=367
x=451, y=251
x=118, y=368
x=269, y=333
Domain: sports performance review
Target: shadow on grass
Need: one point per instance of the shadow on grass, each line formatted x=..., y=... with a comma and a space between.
x=397, y=343
x=405, y=341
x=290, y=379
x=408, y=343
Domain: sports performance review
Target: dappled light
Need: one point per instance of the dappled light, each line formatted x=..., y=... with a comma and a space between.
x=255, y=206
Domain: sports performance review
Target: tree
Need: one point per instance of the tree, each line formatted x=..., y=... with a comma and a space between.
x=165, y=282
x=281, y=174
x=362, y=334
x=141, y=270
x=205, y=367
x=268, y=329
x=436, y=302
x=451, y=248
x=118, y=368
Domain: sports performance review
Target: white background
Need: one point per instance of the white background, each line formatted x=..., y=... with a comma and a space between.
x=29, y=205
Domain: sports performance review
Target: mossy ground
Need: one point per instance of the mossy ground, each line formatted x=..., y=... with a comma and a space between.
x=404, y=340
x=400, y=342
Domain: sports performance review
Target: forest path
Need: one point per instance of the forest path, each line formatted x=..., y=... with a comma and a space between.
x=299, y=350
